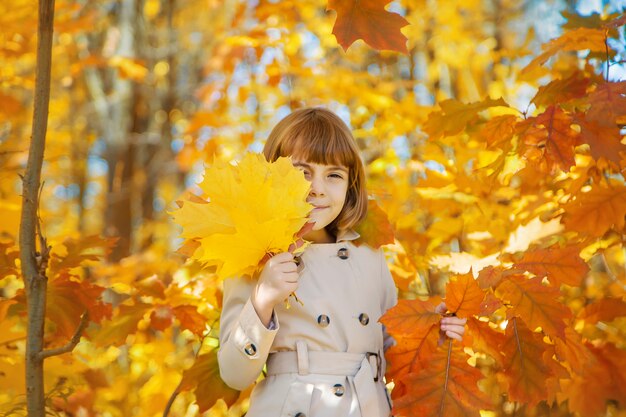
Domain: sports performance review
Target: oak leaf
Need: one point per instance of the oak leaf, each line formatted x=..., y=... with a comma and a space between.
x=254, y=208
x=204, y=379
x=559, y=265
x=596, y=211
x=535, y=303
x=368, y=20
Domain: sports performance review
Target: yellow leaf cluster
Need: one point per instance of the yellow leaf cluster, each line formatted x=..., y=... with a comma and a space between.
x=253, y=208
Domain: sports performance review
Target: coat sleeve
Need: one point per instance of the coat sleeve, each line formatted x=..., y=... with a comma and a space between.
x=244, y=341
x=389, y=296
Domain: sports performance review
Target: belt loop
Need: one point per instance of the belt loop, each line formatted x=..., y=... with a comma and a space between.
x=302, y=353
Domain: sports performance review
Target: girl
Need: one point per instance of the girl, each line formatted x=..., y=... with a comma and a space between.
x=324, y=356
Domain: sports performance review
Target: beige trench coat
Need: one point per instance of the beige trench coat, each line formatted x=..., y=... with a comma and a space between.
x=325, y=357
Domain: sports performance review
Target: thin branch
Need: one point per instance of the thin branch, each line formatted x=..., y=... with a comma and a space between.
x=606, y=47
x=84, y=320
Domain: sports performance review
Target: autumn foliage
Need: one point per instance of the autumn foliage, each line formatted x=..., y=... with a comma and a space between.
x=495, y=165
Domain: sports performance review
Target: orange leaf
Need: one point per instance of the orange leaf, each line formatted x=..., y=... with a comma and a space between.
x=560, y=265
x=525, y=368
x=560, y=91
x=608, y=103
x=551, y=136
x=604, y=139
x=375, y=229
x=490, y=276
x=412, y=318
x=410, y=354
x=463, y=295
x=447, y=387
x=482, y=338
x=8, y=256
x=499, y=129
x=602, y=379
x=204, y=379
x=368, y=20
x=161, y=317
x=574, y=40
x=455, y=116
x=605, y=309
x=67, y=300
x=573, y=351
x=124, y=323
x=190, y=319
x=536, y=304
x=596, y=211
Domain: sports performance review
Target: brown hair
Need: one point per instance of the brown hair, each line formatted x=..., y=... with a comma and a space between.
x=318, y=135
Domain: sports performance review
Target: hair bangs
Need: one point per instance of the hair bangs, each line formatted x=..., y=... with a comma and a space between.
x=321, y=143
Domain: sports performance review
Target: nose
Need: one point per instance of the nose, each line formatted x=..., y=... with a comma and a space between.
x=317, y=186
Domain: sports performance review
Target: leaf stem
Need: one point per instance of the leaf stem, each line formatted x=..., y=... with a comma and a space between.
x=445, y=385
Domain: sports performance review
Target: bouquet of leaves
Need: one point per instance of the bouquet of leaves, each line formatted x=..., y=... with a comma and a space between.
x=249, y=211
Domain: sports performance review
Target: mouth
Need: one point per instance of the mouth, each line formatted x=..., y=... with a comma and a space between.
x=319, y=207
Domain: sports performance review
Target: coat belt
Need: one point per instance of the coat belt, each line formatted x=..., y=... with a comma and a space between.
x=365, y=368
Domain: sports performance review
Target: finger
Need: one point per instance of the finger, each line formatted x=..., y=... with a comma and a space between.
x=454, y=336
x=291, y=277
x=283, y=257
x=441, y=308
x=288, y=267
x=453, y=328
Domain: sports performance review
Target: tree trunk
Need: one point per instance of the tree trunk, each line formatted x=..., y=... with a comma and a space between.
x=32, y=269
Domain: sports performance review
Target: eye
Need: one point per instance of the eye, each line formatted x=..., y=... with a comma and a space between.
x=336, y=175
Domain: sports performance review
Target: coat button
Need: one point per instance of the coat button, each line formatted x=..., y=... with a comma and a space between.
x=338, y=390
x=364, y=319
x=343, y=253
x=250, y=349
x=323, y=320
x=300, y=415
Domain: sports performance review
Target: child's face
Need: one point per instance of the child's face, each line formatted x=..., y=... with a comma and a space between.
x=329, y=186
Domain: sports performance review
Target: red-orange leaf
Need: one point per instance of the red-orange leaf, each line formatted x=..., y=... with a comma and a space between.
x=204, y=379
x=490, y=276
x=368, y=20
x=596, y=211
x=447, y=387
x=190, y=319
x=608, y=103
x=572, y=351
x=560, y=265
x=604, y=139
x=559, y=91
x=536, y=304
x=605, y=309
x=524, y=368
x=551, y=135
x=499, y=129
x=161, y=317
x=124, y=323
x=375, y=229
x=463, y=295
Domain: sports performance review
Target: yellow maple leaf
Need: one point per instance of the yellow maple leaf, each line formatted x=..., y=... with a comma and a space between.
x=252, y=208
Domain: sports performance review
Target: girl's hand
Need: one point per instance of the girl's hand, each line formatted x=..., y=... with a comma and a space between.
x=278, y=279
x=451, y=326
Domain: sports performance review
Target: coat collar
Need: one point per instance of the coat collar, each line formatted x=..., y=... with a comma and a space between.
x=347, y=235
